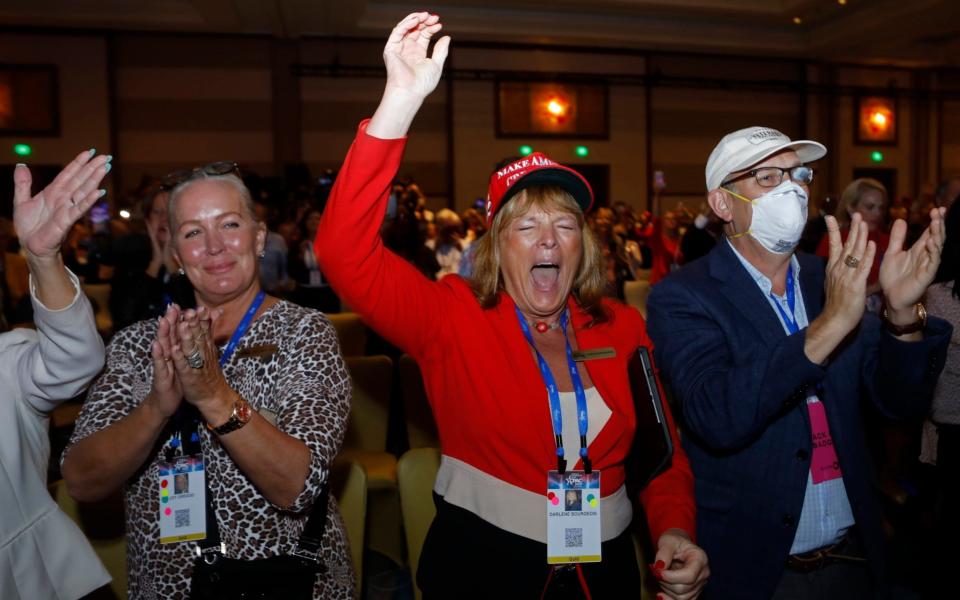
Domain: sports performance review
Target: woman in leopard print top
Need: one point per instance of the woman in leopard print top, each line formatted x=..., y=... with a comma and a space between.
x=264, y=475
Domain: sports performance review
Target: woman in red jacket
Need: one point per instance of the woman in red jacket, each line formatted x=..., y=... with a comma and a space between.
x=521, y=420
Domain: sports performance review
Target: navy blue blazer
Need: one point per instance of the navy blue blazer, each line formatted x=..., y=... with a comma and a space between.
x=741, y=382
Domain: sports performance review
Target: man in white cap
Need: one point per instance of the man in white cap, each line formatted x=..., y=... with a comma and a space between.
x=769, y=353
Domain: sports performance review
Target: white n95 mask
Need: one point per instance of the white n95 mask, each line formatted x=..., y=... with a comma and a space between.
x=779, y=217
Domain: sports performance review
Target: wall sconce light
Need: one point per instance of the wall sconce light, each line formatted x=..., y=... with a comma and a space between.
x=877, y=120
x=553, y=109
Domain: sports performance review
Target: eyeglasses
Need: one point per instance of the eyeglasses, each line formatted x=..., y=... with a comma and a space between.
x=223, y=167
x=773, y=176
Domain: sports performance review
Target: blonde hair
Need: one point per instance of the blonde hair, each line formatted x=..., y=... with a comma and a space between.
x=850, y=198
x=590, y=282
x=230, y=180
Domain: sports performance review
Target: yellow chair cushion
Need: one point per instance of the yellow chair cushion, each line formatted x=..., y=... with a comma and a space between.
x=380, y=466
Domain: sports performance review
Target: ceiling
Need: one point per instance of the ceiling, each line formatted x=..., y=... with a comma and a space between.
x=899, y=32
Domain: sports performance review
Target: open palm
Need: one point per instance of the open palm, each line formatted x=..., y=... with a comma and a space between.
x=42, y=221
x=905, y=274
x=409, y=68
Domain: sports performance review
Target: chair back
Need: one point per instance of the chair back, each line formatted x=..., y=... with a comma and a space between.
x=416, y=473
x=421, y=428
x=351, y=332
x=635, y=293
x=348, y=484
x=372, y=378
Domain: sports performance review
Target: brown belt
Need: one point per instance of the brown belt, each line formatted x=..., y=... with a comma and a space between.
x=818, y=559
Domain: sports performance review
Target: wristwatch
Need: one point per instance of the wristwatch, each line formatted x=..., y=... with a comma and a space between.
x=240, y=417
x=917, y=325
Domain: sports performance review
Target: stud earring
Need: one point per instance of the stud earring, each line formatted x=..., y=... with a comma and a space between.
x=262, y=253
x=181, y=272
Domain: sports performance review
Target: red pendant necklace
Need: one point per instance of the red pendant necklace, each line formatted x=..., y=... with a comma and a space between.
x=544, y=327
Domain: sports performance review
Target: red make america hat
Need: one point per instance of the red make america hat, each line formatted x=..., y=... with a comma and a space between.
x=535, y=169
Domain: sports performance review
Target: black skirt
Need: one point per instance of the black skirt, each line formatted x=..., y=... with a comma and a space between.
x=464, y=556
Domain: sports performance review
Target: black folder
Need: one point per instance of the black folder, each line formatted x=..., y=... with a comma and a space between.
x=652, y=448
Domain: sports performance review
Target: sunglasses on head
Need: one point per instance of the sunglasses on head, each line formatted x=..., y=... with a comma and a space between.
x=223, y=167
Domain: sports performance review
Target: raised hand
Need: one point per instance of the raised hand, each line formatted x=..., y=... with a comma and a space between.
x=905, y=274
x=409, y=69
x=43, y=221
x=411, y=74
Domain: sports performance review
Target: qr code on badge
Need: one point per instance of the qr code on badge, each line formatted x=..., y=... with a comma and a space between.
x=573, y=537
x=181, y=518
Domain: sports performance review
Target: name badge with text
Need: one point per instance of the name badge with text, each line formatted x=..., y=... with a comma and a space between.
x=573, y=517
x=182, y=488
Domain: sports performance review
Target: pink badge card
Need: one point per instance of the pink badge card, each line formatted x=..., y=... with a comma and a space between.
x=824, y=465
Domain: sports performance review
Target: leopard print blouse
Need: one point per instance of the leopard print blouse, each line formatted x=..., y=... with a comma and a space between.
x=304, y=383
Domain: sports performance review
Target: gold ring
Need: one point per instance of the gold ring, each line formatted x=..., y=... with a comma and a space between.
x=851, y=261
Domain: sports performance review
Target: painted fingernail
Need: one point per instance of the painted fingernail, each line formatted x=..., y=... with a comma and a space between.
x=107, y=167
x=20, y=165
x=109, y=157
x=92, y=151
x=659, y=565
x=101, y=193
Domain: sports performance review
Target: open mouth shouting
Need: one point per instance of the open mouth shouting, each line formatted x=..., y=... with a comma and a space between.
x=545, y=276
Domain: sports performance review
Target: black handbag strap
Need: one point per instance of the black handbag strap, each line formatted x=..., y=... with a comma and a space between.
x=308, y=544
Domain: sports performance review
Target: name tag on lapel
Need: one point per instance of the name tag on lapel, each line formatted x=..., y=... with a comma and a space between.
x=593, y=354
x=261, y=351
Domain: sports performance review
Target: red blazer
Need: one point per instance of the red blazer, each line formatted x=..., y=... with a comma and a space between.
x=486, y=392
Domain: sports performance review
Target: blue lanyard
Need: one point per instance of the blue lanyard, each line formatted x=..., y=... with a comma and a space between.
x=790, y=319
x=242, y=328
x=554, y=395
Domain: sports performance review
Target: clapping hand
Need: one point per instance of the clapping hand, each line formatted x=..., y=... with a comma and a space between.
x=166, y=392
x=186, y=362
x=196, y=360
x=848, y=268
x=906, y=274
